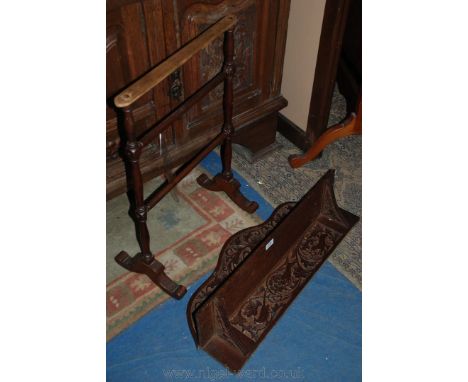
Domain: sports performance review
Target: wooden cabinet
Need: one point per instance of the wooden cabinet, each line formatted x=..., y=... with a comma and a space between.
x=140, y=34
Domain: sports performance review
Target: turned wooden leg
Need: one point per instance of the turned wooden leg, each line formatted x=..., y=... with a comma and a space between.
x=225, y=180
x=351, y=126
x=143, y=262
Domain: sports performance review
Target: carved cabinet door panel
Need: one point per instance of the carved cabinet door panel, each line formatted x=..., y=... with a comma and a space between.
x=256, y=81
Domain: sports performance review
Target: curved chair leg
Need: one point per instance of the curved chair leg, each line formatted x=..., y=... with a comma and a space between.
x=351, y=126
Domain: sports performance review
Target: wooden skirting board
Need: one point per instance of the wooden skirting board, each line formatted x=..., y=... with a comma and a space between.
x=260, y=272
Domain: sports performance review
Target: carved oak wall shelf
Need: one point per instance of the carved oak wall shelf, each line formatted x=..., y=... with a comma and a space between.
x=261, y=270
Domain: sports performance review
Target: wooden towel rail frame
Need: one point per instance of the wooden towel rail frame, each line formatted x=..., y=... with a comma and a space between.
x=144, y=262
x=350, y=126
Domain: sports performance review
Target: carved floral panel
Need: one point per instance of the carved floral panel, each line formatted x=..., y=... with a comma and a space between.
x=211, y=59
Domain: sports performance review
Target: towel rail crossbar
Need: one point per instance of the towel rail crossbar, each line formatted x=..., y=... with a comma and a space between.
x=165, y=123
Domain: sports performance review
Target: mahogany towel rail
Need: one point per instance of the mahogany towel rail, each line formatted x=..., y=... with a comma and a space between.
x=144, y=262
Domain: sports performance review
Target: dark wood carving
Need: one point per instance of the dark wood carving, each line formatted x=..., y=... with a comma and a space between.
x=261, y=270
x=144, y=262
x=211, y=57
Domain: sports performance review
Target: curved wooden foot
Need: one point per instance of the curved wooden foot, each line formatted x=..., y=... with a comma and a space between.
x=348, y=127
x=154, y=270
x=231, y=188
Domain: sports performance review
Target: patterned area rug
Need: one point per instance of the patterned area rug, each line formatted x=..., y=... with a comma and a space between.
x=187, y=231
x=277, y=182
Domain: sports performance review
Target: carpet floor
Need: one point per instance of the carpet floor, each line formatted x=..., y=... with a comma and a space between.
x=317, y=339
